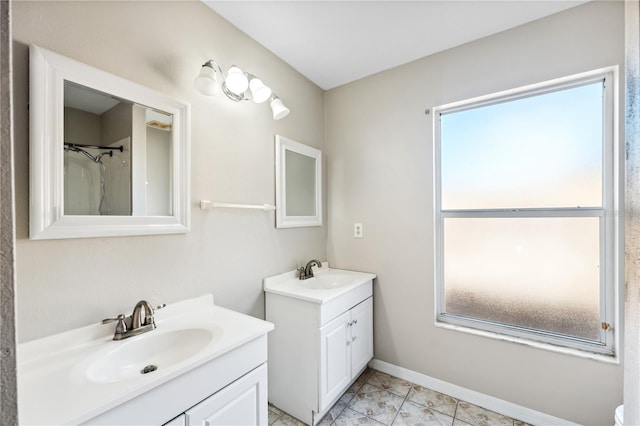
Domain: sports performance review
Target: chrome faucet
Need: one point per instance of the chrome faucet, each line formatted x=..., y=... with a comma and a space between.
x=139, y=321
x=135, y=323
x=307, y=271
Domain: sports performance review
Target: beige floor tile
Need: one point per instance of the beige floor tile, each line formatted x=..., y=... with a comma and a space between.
x=287, y=420
x=273, y=416
x=376, y=404
x=352, y=418
x=356, y=386
x=334, y=413
x=389, y=383
x=362, y=379
x=479, y=416
x=432, y=399
x=351, y=392
x=378, y=399
x=347, y=397
x=457, y=422
x=418, y=415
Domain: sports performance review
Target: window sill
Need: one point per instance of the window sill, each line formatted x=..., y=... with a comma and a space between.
x=607, y=359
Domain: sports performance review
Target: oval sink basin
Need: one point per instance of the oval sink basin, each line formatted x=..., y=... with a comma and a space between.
x=147, y=353
x=327, y=281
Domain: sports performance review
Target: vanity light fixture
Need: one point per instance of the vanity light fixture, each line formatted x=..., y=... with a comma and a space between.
x=238, y=86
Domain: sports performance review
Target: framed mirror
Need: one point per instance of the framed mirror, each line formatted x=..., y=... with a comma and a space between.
x=298, y=184
x=108, y=157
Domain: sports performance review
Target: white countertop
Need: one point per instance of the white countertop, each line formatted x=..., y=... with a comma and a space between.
x=288, y=284
x=52, y=383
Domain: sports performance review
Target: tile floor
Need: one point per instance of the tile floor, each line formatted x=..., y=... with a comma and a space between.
x=378, y=399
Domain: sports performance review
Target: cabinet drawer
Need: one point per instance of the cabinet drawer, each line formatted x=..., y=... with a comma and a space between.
x=337, y=306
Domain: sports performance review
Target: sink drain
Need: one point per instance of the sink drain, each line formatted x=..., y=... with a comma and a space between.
x=148, y=369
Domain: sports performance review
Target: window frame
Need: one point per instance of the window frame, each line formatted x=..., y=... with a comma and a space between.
x=609, y=216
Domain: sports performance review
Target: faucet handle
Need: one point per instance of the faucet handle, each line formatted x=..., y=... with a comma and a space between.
x=110, y=320
x=302, y=273
x=121, y=327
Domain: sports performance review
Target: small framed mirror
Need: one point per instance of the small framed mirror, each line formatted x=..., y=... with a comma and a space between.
x=298, y=184
x=108, y=157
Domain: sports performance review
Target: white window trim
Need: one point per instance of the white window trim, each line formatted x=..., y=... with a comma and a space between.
x=610, y=222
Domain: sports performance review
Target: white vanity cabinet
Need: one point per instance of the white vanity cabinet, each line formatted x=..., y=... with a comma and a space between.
x=322, y=341
x=346, y=346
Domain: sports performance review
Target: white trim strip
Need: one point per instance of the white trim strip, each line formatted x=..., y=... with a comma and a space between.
x=540, y=88
x=526, y=213
x=494, y=404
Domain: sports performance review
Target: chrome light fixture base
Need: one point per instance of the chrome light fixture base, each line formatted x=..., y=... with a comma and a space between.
x=233, y=96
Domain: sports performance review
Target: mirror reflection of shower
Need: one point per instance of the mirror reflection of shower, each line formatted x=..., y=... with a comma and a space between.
x=85, y=174
x=98, y=131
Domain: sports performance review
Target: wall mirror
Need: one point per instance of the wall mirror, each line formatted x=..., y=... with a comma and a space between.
x=298, y=184
x=108, y=157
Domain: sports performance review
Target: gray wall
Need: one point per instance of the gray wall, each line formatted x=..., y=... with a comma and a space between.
x=64, y=284
x=379, y=156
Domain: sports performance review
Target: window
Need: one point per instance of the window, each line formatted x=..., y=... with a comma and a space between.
x=527, y=238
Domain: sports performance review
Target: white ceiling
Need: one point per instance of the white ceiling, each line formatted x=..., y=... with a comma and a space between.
x=336, y=42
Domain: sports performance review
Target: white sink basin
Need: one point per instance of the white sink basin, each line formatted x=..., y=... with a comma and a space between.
x=327, y=281
x=147, y=353
x=327, y=284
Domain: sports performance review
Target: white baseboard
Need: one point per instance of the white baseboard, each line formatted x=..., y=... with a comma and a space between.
x=494, y=404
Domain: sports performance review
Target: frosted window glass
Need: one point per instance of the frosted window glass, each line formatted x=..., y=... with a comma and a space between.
x=536, y=152
x=537, y=273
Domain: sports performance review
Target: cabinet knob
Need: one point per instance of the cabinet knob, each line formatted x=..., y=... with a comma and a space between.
x=348, y=342
x=353, y=338
x=355, y=321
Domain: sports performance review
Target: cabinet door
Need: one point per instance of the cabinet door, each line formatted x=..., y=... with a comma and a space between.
x=335, y=359
x=361, y=335
x=242, y=403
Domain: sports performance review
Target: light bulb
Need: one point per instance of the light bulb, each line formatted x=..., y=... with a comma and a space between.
x=236, y=81
x=259, y=91
x=278, y=108
x=207, y=81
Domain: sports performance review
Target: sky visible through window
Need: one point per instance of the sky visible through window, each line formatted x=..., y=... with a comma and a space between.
x=536, y=152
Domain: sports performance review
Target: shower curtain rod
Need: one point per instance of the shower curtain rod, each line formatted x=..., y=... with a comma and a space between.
x=111, y=148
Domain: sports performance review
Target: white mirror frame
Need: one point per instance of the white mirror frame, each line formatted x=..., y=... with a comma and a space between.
x=48, y=72
x=283, y=220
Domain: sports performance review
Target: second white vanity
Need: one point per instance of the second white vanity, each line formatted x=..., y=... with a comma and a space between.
x=323, y=338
